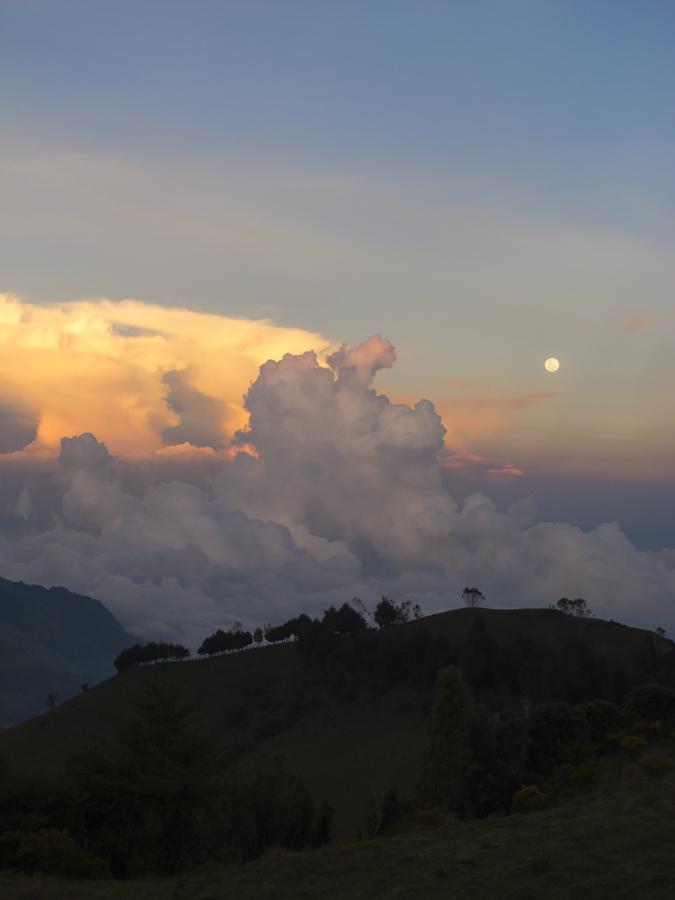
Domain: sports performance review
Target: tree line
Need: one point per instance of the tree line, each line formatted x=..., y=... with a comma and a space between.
x=152, y=652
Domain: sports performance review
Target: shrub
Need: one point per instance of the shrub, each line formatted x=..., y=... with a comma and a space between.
x=529, y=799
x=581, y=776
x=632, y=743
x=52, y=851
x=645, y=729
x=655, y=765
x=600, y=719
x=654, y=703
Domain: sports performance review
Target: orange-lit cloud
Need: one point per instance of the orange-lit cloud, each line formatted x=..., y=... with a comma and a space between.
x=138, y=375
x=473, y=412
x=637, y=323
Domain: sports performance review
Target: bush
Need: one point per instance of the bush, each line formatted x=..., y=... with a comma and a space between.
x=600, y=719
x=529, y=799
x=632, y=743
x=52, y=851
x=581, y=776
x=645, y=729
x=655, y=765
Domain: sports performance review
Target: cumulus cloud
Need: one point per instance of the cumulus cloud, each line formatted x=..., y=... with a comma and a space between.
x=335, y=492
x=137, y=375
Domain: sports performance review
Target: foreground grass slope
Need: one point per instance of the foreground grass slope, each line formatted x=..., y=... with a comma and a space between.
x=615, y=845
x=349, y=745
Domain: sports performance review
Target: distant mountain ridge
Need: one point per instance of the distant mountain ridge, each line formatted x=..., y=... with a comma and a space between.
x=51, y=641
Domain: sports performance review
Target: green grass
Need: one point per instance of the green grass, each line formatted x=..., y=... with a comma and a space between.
x=614, y=846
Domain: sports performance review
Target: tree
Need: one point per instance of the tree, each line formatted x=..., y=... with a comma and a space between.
x=661, y=631
x=576, y=607
x=472, y=597
x=51, y=700
x=553, y=727
x=448, y=752
x=388, y=613
x=258, y=636
x=141, y=654
x=225, y=641
x=149, y=799
x=345, y=621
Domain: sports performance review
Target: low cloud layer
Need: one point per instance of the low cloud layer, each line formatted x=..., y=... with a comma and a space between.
x=334, y=492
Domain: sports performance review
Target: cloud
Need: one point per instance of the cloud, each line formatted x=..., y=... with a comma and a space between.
x=344, y=497
x=201, y=418
x=637, y=323
x=18, y=427
x=137, y=375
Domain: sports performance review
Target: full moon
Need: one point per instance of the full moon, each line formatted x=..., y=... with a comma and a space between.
x=552, y=364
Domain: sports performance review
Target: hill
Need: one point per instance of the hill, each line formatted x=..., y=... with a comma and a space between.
x=51, y=641
x=617, y=846
x=359, y=727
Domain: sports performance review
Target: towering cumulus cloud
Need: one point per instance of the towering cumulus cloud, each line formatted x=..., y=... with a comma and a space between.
x=329, y=491
x=139, y=376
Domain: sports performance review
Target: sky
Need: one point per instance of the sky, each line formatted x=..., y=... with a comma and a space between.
x=191, y=189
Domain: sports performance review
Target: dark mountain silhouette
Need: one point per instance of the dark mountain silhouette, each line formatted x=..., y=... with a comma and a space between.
x=51, y=643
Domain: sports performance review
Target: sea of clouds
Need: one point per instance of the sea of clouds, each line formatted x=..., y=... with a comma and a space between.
x=330, y=492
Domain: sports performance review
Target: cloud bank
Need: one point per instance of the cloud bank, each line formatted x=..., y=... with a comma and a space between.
x=327, y=491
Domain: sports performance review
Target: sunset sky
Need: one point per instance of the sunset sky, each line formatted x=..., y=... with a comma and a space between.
x=191, y=189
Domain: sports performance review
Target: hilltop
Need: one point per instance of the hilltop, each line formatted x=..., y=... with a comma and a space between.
x=51, y=641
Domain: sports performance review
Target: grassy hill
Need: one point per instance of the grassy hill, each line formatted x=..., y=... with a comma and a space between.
x=353, y=742
x=605, y=846
x=51, y=640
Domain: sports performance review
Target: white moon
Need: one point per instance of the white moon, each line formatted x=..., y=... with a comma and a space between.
x=552, y=364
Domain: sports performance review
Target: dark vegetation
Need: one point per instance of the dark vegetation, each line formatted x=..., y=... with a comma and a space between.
x=152, y=652
x=505, y=713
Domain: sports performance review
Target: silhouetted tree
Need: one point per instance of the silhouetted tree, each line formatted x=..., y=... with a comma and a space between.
x=51, y=700
x=448, y=753
x=84, y=686
x=142, y=654
x=345, y=621
x=258, y=636
x=225, y=642
x=472, y=597
x=661, y=631
x=576, y=607
x=388, y=613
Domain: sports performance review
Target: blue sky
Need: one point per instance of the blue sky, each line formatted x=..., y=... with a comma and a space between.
x=485, y=183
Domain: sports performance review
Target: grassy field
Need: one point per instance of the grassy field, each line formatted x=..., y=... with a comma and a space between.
x=620, y=845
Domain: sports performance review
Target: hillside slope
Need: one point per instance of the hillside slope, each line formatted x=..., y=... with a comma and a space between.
x=616, y=846
x=51, y=640
x=349, y=744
